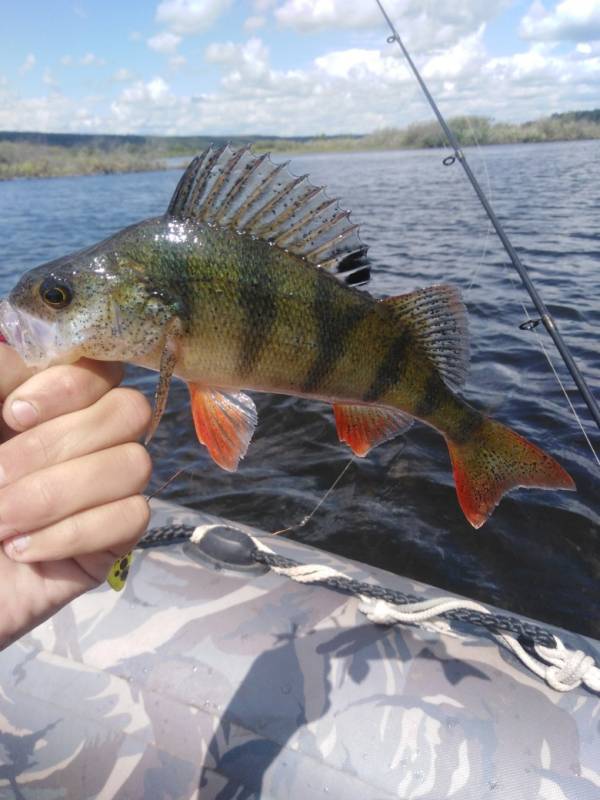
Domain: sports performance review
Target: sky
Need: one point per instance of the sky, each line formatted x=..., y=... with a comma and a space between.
x=288, y=67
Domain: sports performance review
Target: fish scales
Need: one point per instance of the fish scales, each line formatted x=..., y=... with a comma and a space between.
x=257, y=315
x=248, y=283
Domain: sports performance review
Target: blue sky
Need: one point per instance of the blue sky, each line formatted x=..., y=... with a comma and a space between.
x=288, y=67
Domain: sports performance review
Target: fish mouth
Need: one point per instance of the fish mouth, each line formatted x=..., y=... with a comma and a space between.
x=33, y=338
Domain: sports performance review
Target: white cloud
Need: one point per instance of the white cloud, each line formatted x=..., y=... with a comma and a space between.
x=360, y=89
x=254, y=23
x=177, y=61
x=52, y=112
x=165, y=42
x=151, y=107
x=351, y=90
x=221, y=52
x=122, y=75
x=188, y=17
x=423, y=25
x=570, y=20
x=358, y=64
x=247, y=63
x=48, y=78
x=28, y=64
x=87, y=60
x=91, y=60
x=156, y=89
x=466, y=55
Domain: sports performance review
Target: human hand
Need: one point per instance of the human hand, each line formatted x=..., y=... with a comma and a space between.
x=71, y=473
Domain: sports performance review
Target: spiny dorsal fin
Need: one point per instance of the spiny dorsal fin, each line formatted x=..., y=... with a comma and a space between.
x=438, y=321
x=233, y=188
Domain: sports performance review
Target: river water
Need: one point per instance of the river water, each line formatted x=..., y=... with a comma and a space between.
x=540, y=552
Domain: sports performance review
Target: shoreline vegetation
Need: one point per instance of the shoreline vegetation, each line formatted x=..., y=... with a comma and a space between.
x=45, y=155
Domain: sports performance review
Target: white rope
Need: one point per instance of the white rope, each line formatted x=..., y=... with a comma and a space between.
x=380, y=612
x=561, y=668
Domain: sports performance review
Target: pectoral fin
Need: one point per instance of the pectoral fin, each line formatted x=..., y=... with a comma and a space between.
x=224, y=423
x=364, y=427
x=168, y=360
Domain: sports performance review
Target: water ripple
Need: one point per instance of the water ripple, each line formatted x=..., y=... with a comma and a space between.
x=397, y=509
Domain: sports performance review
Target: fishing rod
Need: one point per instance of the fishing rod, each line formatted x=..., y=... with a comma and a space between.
x=545, y=315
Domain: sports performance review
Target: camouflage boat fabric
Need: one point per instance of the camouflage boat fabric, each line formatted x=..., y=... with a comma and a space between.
x=195, y=682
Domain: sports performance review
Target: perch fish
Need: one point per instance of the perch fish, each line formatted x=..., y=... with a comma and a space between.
x=249, y=282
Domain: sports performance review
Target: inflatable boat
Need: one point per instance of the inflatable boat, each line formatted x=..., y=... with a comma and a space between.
x=236, y=665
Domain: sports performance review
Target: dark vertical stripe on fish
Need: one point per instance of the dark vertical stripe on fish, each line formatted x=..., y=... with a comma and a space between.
x=335, y=325
x=175, y=273
x=391, y=368
x=258, y=301
x=470, y=422
x=431, y=396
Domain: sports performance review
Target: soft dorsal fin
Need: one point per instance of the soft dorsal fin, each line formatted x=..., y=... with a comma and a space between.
x=437, y=318
x=233, y=188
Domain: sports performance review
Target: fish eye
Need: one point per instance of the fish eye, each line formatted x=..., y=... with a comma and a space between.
x=55, y=294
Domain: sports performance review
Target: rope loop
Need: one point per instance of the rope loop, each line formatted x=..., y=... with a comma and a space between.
x=546, y=655
x=568, y=669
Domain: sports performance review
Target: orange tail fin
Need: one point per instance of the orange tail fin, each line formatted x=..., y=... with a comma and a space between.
x=494, y=460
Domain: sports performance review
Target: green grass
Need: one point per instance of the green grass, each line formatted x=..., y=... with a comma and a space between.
x=36, y=155
x=28, y=160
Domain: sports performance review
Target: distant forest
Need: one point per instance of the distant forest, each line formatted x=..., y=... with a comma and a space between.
x=29, y=155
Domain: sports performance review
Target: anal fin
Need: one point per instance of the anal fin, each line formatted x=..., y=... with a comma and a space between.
x=224, y=423
x=364, y=427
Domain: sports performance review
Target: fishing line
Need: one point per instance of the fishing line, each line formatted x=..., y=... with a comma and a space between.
x=558, y=378
x=568, y=399
x=305, y=520
x=536, y=298
x=168, y=482
x=490, y=192
x=525, y=312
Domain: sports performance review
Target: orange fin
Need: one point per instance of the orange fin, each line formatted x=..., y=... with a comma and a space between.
x=494, y=460
x=168, y=360
x=224, y=423
x=364, y=427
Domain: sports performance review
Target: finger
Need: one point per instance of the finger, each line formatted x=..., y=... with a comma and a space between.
x=56, y=493
x=120, y=416
x=107, y=532
x=59, y=390
x=13, y=371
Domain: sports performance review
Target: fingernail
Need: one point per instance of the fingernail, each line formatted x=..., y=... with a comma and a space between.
x=16, y=546
x=25, y=414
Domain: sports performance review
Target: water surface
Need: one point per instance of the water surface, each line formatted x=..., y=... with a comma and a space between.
x=539, y=553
